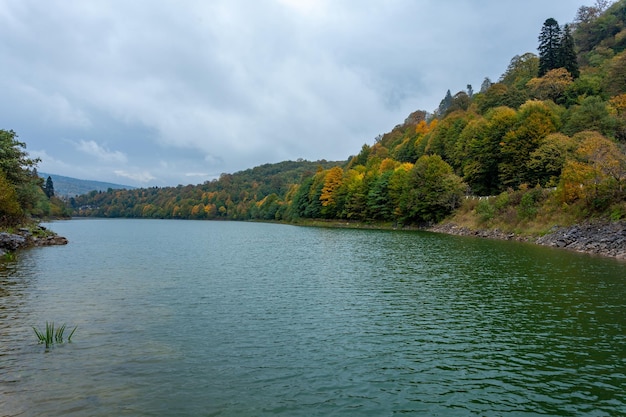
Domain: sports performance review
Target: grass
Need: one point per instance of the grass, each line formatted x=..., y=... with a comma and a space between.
x=52, y=335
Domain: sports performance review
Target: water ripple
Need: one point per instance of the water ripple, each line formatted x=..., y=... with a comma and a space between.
x=237, y=319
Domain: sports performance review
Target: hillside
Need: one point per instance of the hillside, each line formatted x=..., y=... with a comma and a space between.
x=67, y=187
x=543, y=144
x=249, y=194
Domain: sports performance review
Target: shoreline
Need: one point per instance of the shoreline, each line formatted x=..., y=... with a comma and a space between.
x=600, y=237
x=28, y=237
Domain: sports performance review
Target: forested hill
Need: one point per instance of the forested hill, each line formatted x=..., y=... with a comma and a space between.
x=71, y=187
x=545, y=141
x=253, y=193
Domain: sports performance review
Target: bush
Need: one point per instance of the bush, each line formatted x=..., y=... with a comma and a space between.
x=485, y=210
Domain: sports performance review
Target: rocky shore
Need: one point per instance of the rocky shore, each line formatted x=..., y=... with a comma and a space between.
x=606, y=239
x=598, y=238
x=29, y=237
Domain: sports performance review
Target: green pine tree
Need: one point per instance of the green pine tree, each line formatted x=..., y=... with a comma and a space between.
x=549, y=46
x=567, y=53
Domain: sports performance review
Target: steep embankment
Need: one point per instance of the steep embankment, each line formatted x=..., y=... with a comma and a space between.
x=599, y=238
x=606, y=239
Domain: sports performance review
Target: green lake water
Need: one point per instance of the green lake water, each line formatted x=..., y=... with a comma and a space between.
x=190, y=318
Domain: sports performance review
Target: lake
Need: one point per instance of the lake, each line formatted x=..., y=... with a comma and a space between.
x=193, y=318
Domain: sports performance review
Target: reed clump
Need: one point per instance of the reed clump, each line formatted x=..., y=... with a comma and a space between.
x=51, y=335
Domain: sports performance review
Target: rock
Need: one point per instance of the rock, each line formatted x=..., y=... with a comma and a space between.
x=600, y=238
x=49, y=241
x=597, y=238
x=9, y=241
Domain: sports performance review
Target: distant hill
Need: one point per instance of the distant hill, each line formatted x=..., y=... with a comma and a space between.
x=71, y=187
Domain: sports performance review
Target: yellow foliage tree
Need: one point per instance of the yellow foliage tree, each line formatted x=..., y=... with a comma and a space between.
x=387, y=164
x=597, y=174
x=332, y=181
x=552, y=85
x=10, y=210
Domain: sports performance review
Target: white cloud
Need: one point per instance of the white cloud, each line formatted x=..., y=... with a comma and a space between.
x=55, y=108
x=139, y=176
x=226, y=85
x=90, y=147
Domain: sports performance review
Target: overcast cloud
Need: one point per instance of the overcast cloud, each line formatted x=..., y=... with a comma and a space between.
x=160, y=92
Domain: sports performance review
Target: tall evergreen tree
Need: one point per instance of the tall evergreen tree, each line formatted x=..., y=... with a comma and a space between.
x=567, y=53
x=49, y=188
x=549, y=46
x=444, y=104
x=486, y=85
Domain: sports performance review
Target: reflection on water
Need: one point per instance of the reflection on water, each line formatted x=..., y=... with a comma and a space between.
x=243, y=319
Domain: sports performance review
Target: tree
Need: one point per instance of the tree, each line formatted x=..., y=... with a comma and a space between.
x=591, y=114
x=483, y=149
x=379, y=205
x=616, y=77
x=460, y=101
x=552, y=85
x=521, y=69
x=14, y=160
x=500, y=94
x=10, y=211
x=49, y=188
x=486, y=85
x=435, y=190
x=535, y=121
x=332, y=181
x=567, y=53
x=445, y=104
x=17, y=167
x=596, y=173
x=618, y=105
x=549, y=46
x=547, y=161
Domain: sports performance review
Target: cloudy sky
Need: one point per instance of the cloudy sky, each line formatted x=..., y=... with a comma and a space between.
x=164, y=92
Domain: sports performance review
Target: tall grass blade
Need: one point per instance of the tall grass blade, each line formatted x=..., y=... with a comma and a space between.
x=69, y=338
x=40, y=335
x=51, y=335
x=58, y=335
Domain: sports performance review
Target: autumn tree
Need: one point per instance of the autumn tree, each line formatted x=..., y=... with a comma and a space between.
x=355, y=192
x=552, y=86
x=618, y=105
x=616, y=77
x=547, y=161
x=10, y=210
x=535, y=121
x=17, y=169
x=521, y=69
x=483, y=138
x=596, y=174
x=499, y=94
x=332, y=181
